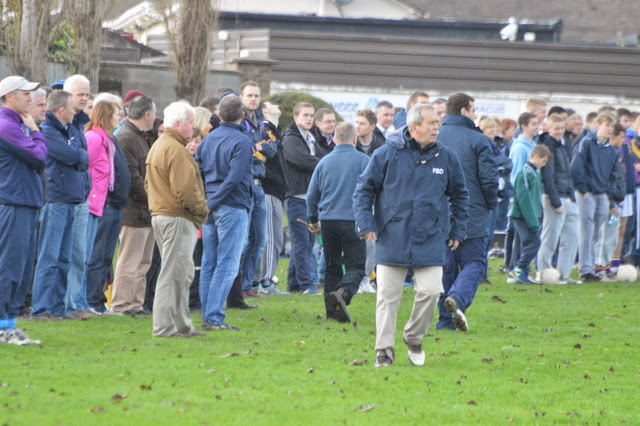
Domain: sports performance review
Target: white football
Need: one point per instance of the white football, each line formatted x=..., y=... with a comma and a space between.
x=550, y=276
x=627, y=273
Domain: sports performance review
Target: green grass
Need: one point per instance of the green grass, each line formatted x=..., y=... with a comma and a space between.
x=566, y=354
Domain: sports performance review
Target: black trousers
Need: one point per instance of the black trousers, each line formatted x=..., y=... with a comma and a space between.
x=342, y=247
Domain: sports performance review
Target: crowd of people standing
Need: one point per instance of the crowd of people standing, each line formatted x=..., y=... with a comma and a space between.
x=194, y=203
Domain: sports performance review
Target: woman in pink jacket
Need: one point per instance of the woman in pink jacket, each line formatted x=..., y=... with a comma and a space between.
x=104, y=117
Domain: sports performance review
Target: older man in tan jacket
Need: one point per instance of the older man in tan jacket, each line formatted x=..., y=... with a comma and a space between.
x=178, y=209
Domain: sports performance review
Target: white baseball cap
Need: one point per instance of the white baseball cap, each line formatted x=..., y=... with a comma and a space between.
x=15, y=82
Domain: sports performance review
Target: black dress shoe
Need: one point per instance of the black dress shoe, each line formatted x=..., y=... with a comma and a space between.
x=243, y=306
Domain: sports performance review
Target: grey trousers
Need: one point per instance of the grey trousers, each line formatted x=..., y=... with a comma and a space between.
x=428, y=286
x=271, y=252
x=559, y=229
x=607, y=242
x=592, y=211
x=176, y=239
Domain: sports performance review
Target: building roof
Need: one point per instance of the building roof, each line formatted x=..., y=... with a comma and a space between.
x=584, y=21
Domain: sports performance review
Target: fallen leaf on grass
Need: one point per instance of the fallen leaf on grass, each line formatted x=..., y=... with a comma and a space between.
x=298, y=342
x=548, y=330
x=547, y=290
x=4, y=385
x=218, y=397
x=366, y=408
x=591, y=324
x=117, y=398
x=511, y=346
x=487, y=360
x=263, y=320
x=611, y=370
x=497, y=299
x=578, y=346
x=295, y=311
x=97, y=410
x=145, y=387
x=311, y=370
x=131, y=332
x=600, y=296
x=13, y=393
x=319, y=317
x=355, y=325
x=229, y=355
x=587, y=377
x=248, y=352
x=471, y=402
x=357, y=362
x=540, y=354
x=212, y=371
x=574, y=414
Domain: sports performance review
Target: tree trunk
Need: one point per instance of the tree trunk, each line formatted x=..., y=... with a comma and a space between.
x=189, y=33
x=86, y=17
x=26, y=38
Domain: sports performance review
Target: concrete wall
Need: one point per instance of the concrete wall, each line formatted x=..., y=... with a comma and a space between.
x=156, y=81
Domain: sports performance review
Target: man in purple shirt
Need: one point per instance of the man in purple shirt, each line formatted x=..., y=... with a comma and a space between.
x=22, y=154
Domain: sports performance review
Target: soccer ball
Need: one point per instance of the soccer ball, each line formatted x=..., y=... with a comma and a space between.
x=550, y=276
x=627, y=273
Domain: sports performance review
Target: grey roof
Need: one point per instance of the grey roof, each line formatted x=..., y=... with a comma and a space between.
x=584, y=21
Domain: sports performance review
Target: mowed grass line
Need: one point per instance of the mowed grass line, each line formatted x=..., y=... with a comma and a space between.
x=563, y=354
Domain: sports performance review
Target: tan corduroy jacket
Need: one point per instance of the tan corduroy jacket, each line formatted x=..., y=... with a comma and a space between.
x=173, y=182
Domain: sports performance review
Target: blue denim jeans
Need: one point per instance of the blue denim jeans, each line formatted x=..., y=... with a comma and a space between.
x=223, y=238
x=104, y=246
x=256, y=239
x=462, y=273
x=92, y=227
x=76, y=274
x=54, y=259
x=299, y=273
x=17, y=256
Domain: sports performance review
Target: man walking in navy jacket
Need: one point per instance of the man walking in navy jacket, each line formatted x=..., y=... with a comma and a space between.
x=404, y=200
x=465, y=267
x=330, y=199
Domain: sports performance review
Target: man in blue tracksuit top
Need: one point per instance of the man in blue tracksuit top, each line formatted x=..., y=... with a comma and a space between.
x=22, y=154
x=412, y=199
x=224, y=158
x=262, y=151
x=465, y=267
x=330, y=199
x=67, y=186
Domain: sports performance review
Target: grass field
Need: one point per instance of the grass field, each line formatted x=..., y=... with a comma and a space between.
x=561, y=354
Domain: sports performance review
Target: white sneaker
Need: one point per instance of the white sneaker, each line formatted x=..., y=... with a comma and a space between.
x=271, y=290
x=415, y=354
x=110, y=313
x=511, y=280
x=570, y=281
x=366, y=287
x=16, y=337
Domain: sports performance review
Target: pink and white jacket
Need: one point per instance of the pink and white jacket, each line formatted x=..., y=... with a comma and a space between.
x=101, y=150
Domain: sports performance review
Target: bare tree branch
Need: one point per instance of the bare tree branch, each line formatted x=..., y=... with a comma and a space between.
x=189, y=29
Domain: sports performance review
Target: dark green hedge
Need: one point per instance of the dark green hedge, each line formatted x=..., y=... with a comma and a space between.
x=287, y=100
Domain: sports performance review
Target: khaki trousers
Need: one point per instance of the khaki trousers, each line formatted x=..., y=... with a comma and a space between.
x=134, y=259
x=390, y=279
x=176, y=238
